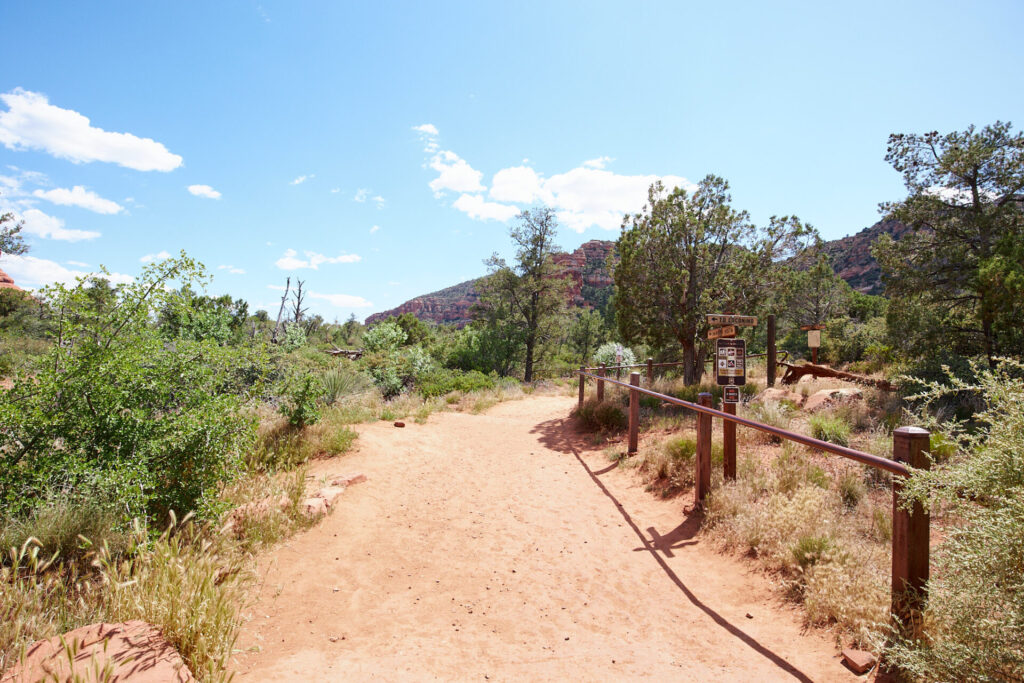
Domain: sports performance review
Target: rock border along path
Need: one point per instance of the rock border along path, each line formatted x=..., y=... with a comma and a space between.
x=496, y=547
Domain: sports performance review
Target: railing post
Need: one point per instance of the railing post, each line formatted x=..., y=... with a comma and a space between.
x=729, y=442
x=650, y=373
x=582, y=379
x=600, y=383
x=703, y=460
x=770, y=360
x=634, y=412
x=910, y=534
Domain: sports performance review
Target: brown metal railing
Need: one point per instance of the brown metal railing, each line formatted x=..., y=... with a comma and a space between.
x=910, y=536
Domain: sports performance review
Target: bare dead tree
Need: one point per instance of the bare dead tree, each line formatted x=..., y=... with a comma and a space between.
x=297, y=308
x=280, y=311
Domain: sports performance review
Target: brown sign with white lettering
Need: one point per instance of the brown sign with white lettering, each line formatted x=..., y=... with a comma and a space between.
x=720, y=332
x=718, y=319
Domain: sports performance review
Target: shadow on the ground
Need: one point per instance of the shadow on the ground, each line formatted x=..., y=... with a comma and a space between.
x=563, y=435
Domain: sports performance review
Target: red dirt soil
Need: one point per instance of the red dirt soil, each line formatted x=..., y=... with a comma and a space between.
x=499, y=547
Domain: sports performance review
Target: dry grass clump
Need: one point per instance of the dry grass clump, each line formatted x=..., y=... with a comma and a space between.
x=825, y=552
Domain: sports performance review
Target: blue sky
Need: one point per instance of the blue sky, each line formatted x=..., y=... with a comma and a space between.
x=377, y=150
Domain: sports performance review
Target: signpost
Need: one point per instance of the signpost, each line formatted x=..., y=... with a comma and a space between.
x=731, y=373
x=730, y=394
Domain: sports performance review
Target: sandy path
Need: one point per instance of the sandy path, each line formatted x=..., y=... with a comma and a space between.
x=482, y=547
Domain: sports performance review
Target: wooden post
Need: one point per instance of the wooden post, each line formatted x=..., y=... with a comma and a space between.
x=650, y=373
x=582, y=378
x=729, y=442
x=814, y=355
x=703, y=459
x=770, y=361
x=600, y=384
x=909, y=535
x=634, y=412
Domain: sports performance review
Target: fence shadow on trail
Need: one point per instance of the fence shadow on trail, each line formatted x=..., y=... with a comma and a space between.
x=564, y=436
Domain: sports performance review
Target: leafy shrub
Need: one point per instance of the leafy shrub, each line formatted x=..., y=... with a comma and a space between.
x=301, y=407
x=606, y=355
x=831, y=428
x=441, y=382
x=294, y=337
x=974, y=622
x=118, y=413
x=384, y=336
x=809, y=549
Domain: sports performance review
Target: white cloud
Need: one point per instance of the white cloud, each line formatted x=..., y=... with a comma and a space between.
x=291, y=261
x=378, y=200
x=81, y=197
x=50, y=227
x=279, y=288
x=77, y=264
x=598, y=163
x=374, y=229
x=203, y=191
x=31, y=122
x=477, y=208
x=342, y=300
x=232, y=269
x=454, y=174
x=427, y=129
x=29, y=271
x=363, y=194
x=160, y=256
x=517, y=184
x=302, y=178
x=335, y=190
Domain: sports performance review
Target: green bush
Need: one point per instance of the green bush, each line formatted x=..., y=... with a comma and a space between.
x=385, y=336
x=606, y=355
x=974, y=625
x=809, y=550
x=831, y=428
x=119, y=414
x=301, y=406
x=339, y=383
x=442, y=381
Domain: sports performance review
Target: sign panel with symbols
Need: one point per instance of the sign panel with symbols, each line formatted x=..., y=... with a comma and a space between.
x=718, y=319
x=730, y=394
x=731, y=362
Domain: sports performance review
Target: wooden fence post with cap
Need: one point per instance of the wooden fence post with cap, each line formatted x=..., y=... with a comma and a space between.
x=634, y=412
x=582, y=379
x=600, y=383
x=650, y=373
x=910, y=534
x=703, y=460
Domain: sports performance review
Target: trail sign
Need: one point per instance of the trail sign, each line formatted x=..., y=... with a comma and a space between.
x=720, y=332
x=718, y=319
x=813, y=339
x=731, y=362
x=731, y=394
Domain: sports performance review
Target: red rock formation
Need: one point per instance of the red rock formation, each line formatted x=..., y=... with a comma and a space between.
x=586, y=268
x=7, y=282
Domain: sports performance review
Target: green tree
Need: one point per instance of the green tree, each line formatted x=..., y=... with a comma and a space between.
x=686, y=255
x=963, y=263
x=817, y=293
x=11, y=241
x=527, y=299
x=586, y=333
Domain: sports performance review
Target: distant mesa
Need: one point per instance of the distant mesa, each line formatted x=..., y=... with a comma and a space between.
x=587, y=268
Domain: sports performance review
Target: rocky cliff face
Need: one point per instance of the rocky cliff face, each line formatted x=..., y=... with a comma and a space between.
x=852, y=259
x=586, y=269
x=591, y=282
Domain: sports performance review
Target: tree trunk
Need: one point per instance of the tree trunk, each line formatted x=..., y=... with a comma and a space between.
x=530, y=343
x=691, y=374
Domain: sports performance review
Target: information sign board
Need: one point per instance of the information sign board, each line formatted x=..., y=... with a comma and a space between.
x=813, y=339
x=730, y=394
x=731, y=362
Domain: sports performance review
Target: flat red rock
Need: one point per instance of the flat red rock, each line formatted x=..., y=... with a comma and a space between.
x=134, y=652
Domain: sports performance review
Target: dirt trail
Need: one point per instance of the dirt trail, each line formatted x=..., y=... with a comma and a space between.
x=495, y=546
